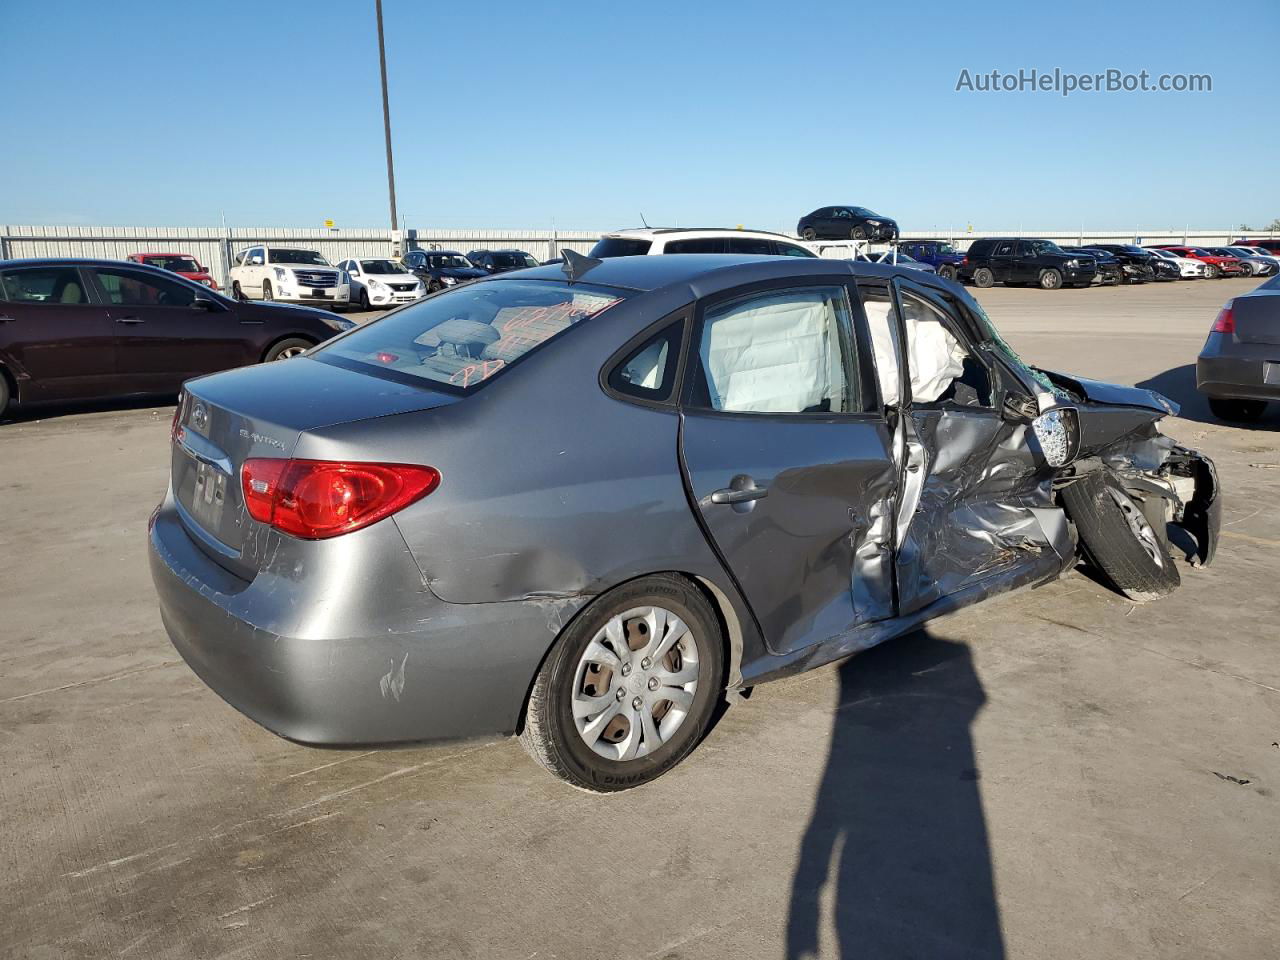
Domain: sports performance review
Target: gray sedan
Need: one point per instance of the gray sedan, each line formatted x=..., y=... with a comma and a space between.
x=1239, y=367
x=585, y=503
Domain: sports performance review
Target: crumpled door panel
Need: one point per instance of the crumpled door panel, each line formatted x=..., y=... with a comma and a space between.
x=984, y=508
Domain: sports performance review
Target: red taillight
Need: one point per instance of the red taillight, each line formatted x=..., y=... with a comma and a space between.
x=317, y=499
x=1225, y=322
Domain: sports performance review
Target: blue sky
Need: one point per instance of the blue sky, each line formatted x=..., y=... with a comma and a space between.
x=586, y=115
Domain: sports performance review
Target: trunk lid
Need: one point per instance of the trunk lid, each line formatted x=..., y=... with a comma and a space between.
x=1257, y=317
x=261, y=412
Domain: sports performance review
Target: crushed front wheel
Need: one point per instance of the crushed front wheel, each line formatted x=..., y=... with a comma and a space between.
x=1124, y=537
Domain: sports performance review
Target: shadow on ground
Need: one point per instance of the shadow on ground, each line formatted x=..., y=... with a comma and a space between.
x=30, y=413
x=897, y=827
x=1179, y=385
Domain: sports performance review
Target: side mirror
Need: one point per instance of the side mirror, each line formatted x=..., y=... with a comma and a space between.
x=1058, y=433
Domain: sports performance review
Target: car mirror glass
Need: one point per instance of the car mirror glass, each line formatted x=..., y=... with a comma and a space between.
x=1058, y=433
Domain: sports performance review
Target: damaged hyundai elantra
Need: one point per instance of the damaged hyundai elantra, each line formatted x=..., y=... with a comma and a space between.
x=585, y=503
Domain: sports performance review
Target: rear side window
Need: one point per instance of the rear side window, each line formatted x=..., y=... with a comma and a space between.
x=129, y=289
x=620, y=247
x=649, y=372
x=783, y=351
x=792, y=250
x=462, y=338
x=980, y=248
x=52, y=285
x=751, y=245
x=698, y=245
x=1004, y=250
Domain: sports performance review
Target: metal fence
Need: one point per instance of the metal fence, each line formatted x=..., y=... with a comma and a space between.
x=214, y=247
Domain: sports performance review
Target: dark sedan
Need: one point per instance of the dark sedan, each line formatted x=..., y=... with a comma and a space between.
x=441, y=268
x=96, y=329
x=582, y=504
x=1239, y=368
x=500, y=261
x=847, y=223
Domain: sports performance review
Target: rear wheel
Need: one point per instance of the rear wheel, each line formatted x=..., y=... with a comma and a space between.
x=629, y=688
x=236, y=292
x=983, y=277
x=808, y=233
x=1242, y=410
x=947, y=271
x=1050, y=279
x=287, y=348
x=1123, y=537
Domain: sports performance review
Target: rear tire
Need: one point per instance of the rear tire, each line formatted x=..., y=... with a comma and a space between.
x=286, y=349
x=236, y=292
x=1050, y=279
x=1242, y=411
x=563, y=730
x=808, y=233
x=983, y=277
x=1122, y=537
x=947, y=271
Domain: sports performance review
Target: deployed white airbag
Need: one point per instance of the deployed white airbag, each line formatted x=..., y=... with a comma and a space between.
x=773, y=354
x=936, y=357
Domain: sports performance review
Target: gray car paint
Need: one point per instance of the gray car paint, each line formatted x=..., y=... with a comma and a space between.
x=1245, y=364
x=432, y=623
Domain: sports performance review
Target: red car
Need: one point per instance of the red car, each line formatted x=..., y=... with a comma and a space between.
x=1214, y=265
x=182, y=264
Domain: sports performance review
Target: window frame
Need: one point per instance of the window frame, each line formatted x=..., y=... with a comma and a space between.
x=671, y=402
x=859, y=338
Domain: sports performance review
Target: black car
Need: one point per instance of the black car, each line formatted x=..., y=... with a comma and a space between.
x=1109, y=269
x=1018, y=263
x=74, y=329
x=847, y=223
x=500, y=261
x=1136, y=262
x=441, y=268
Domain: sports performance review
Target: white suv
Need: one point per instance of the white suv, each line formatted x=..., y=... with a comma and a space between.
x=658, y=240
x=288, y=274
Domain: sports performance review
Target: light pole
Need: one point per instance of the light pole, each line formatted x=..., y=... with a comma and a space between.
x=386, y=120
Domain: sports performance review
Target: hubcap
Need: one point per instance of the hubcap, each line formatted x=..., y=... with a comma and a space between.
x=1139, y=527
x=635, y=683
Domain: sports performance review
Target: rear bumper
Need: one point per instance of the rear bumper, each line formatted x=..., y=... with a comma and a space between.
x=325, y=670
x=1243, y=371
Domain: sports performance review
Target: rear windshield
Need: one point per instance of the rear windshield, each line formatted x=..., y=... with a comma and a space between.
x=620, y=247
x=175, y=264
x=459, y=339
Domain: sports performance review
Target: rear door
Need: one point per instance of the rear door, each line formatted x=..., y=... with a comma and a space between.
x=162, y=338
x=787, y=458
x=52, y=333
x=1001, y=262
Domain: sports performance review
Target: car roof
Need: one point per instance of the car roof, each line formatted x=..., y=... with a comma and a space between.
x=648, y=232
x=710, y=272
x=152, y=254
x=80, y=262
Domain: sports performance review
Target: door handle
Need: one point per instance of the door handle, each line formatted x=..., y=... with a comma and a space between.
x=8, y=320
x=129, y=320
x=746, y=495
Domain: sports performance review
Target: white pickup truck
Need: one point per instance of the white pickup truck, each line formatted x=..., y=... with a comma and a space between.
x=288, y=274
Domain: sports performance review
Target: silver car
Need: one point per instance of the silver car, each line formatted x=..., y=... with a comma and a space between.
x=584, y=504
